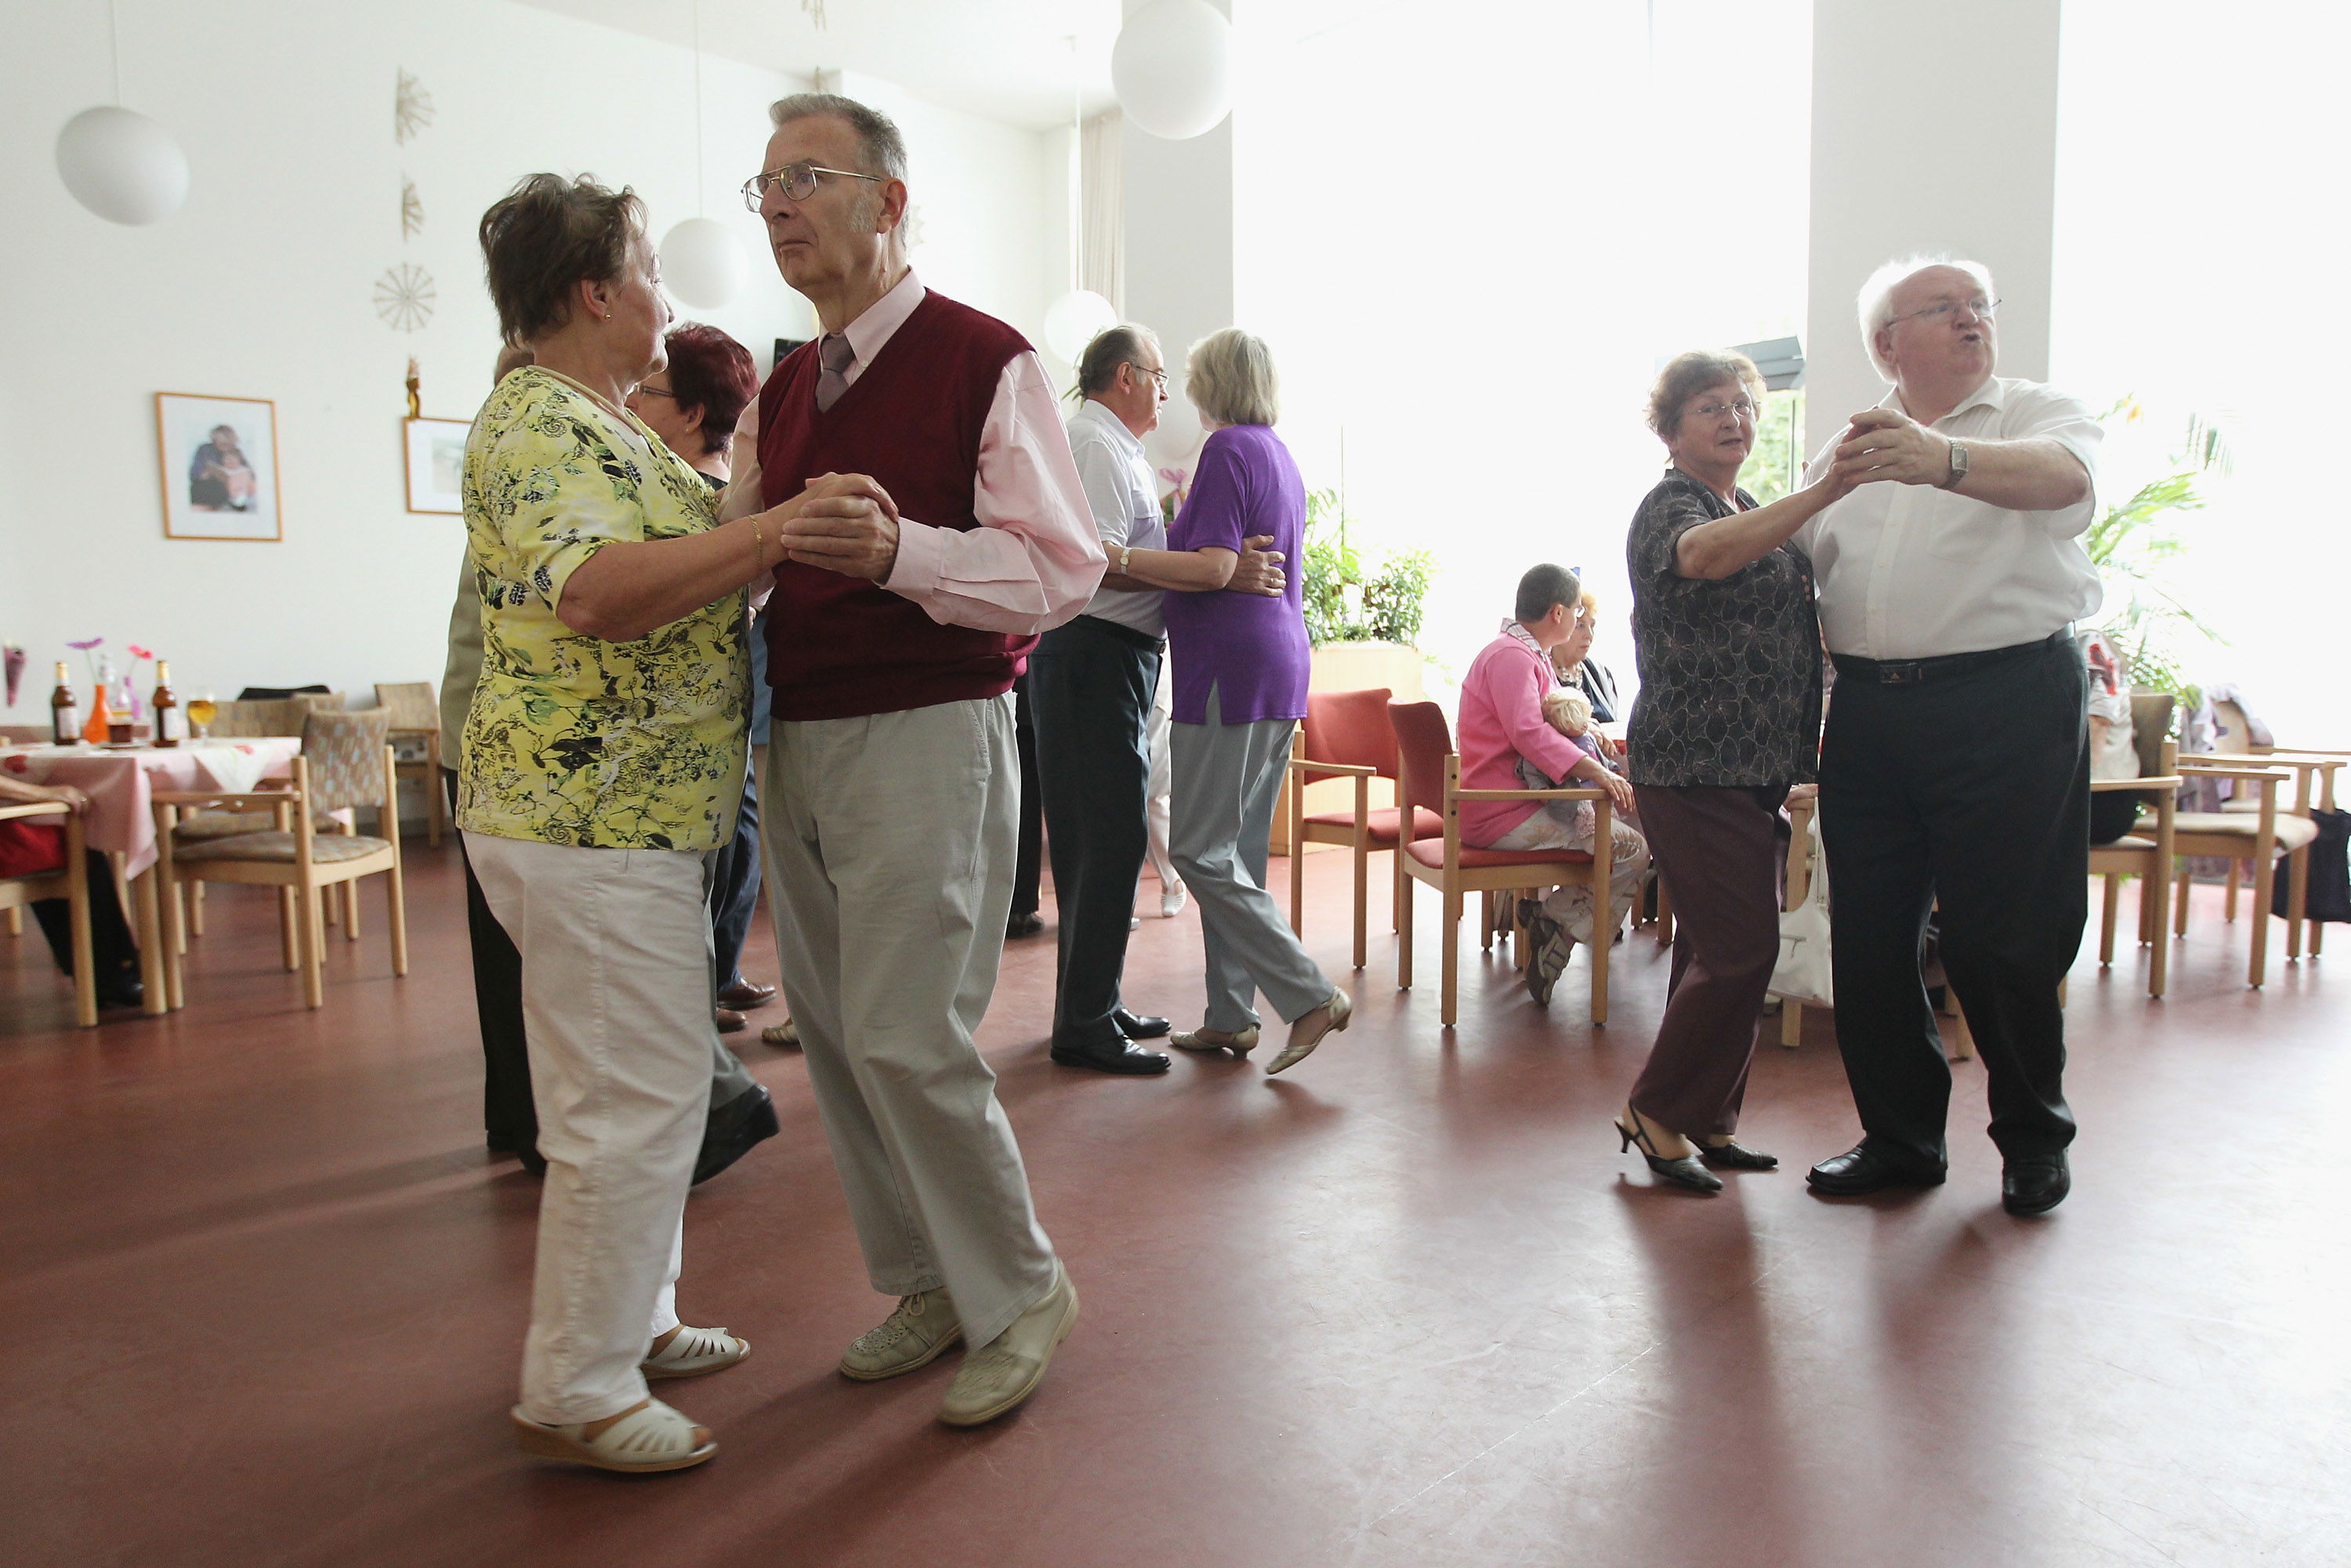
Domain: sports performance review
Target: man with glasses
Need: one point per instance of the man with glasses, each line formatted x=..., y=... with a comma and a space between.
x=1955, y=768
x=895, y=631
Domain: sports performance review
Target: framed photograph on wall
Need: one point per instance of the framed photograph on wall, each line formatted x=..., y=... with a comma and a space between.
x=436, y=464
x=219, y=461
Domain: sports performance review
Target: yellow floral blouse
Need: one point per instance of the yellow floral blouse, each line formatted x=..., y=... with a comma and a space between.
x=572, y=739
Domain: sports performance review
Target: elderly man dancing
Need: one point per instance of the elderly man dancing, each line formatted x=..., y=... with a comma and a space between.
x=894, y=637
x=1956, y=766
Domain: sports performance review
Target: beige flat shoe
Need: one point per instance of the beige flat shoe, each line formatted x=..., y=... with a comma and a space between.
x=916, y=1334
x=649, y=1438
x=1239, y=1044
x=785, y=1033
x=1001, y=1374
x=1308, y=1031
x=696, y=1352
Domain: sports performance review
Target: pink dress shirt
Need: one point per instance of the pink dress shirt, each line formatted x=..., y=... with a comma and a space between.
x=1502, y=721
x=1035, y=561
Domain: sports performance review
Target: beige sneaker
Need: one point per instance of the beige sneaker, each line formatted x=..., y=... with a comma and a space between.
x=915, y=1335
x=1002, y=1373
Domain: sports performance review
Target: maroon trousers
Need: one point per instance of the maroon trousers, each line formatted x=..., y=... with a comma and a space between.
x=1717, y=849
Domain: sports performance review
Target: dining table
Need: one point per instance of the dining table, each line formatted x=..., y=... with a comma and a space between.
x=122, y=782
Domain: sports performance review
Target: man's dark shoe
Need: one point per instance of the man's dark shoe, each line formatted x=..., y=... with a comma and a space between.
x=732, y=1129
x=1134, y=1026
x=1862, y=1169
x=1123, y=1057
x=1026, y=925
x=2034, y=1184
x=743, y=995
x=122, y=991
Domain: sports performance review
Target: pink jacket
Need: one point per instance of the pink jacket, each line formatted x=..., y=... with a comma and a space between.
x=1502, y=721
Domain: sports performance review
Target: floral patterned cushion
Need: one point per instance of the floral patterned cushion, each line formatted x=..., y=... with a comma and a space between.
x=228, y=824
x=324, y=848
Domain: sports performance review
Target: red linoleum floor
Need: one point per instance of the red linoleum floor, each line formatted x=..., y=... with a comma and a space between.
x=1406, y=1305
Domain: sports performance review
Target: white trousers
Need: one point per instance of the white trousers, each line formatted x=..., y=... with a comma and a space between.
x=1155, y=813
x=891, y=839
x=616, y=961
x=1568, y=825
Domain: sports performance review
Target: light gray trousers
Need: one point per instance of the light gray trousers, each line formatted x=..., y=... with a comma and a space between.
x=890, y=841
x=1227, y=779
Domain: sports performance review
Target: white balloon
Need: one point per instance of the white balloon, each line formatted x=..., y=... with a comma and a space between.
x=702, y=263
x=1173, y=67
x=123, y=166
x=1075, y=320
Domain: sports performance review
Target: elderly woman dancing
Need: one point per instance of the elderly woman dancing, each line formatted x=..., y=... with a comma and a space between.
x=1241, y=666
x=602, y=759
x=1728, y=719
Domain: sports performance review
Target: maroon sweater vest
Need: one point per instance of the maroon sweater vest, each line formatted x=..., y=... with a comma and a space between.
x=839, y=646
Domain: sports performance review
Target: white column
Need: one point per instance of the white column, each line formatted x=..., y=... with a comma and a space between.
x=1934, y=128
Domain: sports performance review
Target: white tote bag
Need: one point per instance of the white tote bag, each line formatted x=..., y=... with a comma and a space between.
x=1802, y=972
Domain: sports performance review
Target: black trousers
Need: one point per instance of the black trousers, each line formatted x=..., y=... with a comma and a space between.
x=1029, y=867
x=509, y=1117
x=113, y=950
x=1091, y=682
x=1970, y=788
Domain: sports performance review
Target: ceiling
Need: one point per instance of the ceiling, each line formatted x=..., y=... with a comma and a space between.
x=1005, y=59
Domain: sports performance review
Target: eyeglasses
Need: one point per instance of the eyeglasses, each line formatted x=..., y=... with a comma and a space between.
x=797, y=181
x=657, y=391
x=1744, y=408
x=1159, y=376
x=1979, y=307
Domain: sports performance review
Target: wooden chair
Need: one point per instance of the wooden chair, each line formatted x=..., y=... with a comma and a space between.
x=1347, y=734
x=416, y=723
x=2237, y=741
x=2149, y=856
x=70, y=883
x=345, y=762
x=2260, y=836
x=1428, y=777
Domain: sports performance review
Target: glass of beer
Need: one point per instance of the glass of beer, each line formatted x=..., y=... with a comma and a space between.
x=202, y=711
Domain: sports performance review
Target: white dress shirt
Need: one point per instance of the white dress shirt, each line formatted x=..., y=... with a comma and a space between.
x=1034, y=560
x=1910, y=571
x=1117, y=477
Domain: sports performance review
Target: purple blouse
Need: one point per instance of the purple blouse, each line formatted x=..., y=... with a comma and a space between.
x=1248, y=649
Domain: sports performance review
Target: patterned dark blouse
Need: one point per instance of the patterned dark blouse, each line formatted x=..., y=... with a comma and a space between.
x=1731, y=671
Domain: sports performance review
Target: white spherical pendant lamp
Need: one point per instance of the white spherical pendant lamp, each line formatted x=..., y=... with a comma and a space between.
x=1075, y=320
x=1173, y=67
x=701, y=263
x=123, y=166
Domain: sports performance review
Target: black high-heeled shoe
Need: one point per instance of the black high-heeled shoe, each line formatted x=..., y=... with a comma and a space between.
x=1734, y=1155
x=1684, y=1172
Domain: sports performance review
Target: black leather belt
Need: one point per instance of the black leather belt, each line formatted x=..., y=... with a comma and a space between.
x=1917, y=672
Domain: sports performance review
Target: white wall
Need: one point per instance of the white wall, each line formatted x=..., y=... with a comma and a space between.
x=262, y=287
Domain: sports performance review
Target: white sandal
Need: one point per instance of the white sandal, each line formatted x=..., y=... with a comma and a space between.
x=651, y=1437
x=785, y=1033
x=693, y=1351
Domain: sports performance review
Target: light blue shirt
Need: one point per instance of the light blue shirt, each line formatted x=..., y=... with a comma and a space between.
x=1125, y=506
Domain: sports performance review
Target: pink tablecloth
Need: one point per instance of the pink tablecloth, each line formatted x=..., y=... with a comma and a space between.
x=122, y=784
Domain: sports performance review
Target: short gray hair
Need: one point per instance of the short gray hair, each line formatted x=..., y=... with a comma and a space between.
x=1112, y=346
x=1229, y=377
x=1876, y=301
x=879, y=146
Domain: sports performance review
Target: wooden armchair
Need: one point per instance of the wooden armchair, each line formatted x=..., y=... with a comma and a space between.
x=69, y=884
x=416, y=724
x=2147, y=855
x=1430, y=777
x=2259, y=836
x=1347, y=734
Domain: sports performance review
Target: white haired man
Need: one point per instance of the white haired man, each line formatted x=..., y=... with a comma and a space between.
x=895, y=633
x=1955, y=768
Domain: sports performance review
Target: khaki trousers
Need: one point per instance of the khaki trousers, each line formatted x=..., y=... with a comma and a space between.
x=890, y=840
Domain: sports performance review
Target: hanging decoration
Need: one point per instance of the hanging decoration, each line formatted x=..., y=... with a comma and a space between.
x=815, y=9
x=1173, y=67
x=412, y=209
x=1077, y=317
x=412, y=109
x=119, y=164
x=701, y=262
x=405, y=296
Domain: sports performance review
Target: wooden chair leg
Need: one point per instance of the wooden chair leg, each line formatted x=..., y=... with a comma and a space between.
x=314, y=944
x=2257, y=970
x=175, y=944
x=152, y=954
x=2180, y=904
x=288, y=912
x=196, y=909
x=2148, y=906
x=1404, y=894
x=2106, y=922
x=2229, y=905
x=352, y=910
x=1486, y=922
x=1604, y=940
x=15, y=920
x=2297, y=899
x=2153, y=916
x=1963, y=1039
x=1664, y=915
x=1449, y=963
x=1363, y=895
x=396, y=896
x=1792, y=1023
x=85, y=955
x=1297, y=882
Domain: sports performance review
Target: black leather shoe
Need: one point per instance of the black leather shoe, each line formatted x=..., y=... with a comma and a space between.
x=1026, y=925
x=124, y=991
x=1125, y=1056
x=732, y=1128
x=1862, y=1169
x=1733, y=1156
x=2034, y=1184
x=1134, y=1026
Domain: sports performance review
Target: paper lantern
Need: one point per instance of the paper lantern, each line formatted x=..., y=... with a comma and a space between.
x=1173, y=67
x=123, y=166
x=1075, y=320
x=701, y=263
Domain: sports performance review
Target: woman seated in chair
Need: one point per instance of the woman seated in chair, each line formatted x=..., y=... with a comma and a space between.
x=1508, y=742
x=36, y=847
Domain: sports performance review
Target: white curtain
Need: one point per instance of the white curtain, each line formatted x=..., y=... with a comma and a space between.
x=1102, y=209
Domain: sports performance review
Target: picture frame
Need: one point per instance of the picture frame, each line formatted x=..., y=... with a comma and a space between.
x=217, y=461
x=435, y=453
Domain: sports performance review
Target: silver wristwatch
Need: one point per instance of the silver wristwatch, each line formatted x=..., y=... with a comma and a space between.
x=1958, y=468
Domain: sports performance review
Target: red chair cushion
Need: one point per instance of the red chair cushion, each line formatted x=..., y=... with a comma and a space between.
x=36, y=848
x=1426, y=824
x=1432, y=854
x=1350, y=728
